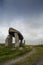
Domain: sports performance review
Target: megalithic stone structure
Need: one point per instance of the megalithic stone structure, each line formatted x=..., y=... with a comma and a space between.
x=17, y=35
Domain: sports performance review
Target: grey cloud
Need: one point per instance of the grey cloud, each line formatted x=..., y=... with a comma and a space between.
x=34, y=22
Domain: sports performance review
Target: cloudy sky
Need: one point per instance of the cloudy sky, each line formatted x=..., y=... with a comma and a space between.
x=23, y=15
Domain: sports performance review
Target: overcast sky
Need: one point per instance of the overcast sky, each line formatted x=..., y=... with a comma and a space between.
x=23, y=15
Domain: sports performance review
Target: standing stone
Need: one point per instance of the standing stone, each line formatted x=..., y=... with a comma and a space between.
x=16, y=40
x=8, y=41
x=20, y=43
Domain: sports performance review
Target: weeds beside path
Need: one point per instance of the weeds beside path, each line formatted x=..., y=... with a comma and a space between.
x=21, y=58
x=34, y=58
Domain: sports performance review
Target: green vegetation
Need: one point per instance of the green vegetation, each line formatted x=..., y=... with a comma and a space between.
x=34, y=58
x=8, y=53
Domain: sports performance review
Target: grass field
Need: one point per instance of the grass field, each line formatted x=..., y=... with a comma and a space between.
x=33, y=59
x=7, y=53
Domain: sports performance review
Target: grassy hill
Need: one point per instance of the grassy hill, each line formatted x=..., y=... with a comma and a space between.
x=34, y=59
x=8, y=53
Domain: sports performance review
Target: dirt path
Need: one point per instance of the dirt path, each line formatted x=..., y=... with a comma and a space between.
x=40, y=63
x=21, y=58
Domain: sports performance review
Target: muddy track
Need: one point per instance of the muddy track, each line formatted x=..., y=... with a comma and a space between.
x=21, y=58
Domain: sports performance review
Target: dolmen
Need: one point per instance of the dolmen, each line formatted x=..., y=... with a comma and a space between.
x=18, y=38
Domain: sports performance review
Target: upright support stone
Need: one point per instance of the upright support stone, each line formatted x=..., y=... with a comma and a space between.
x=20, y=43
x=16, y=40
x=8, y=41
